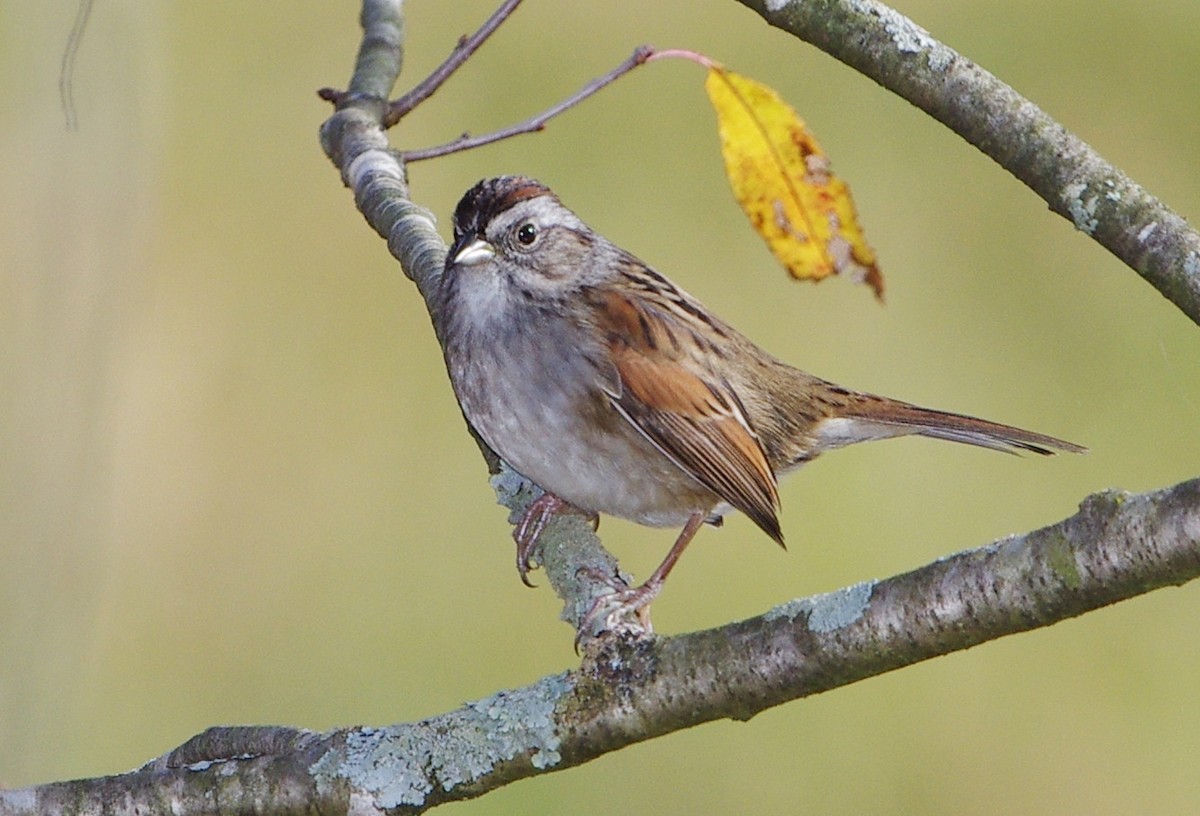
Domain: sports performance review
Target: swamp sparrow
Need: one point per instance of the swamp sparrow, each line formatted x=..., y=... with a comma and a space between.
x=617, y=392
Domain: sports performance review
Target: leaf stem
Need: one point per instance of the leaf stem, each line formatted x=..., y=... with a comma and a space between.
x=684, y=53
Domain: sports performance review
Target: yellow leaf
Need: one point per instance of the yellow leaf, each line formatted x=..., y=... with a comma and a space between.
x=783, y=181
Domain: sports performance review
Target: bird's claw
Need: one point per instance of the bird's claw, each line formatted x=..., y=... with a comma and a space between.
x=623, y=609
x=535, y=518
x=537, y=514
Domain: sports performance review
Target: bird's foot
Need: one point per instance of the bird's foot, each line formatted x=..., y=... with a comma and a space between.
x=623, y=609
x=535, y=518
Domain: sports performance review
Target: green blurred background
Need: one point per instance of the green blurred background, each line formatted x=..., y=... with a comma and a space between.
x=235, y=487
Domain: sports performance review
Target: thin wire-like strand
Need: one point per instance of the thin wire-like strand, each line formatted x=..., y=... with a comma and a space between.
x=66, y=74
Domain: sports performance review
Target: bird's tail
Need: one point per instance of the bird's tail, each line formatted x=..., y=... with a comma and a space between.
x=867, y=417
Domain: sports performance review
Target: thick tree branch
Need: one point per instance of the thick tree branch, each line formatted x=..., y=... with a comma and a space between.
x=1074, y=179
x=355, y=140
x=1117, y=546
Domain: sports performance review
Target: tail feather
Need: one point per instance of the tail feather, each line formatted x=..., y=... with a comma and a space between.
x=869, y=417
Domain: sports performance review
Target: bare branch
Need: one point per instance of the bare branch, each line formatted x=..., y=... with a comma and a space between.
x=355, y=140
x=461, y=53
x=1074, y=179
x=1117, y=546
x=535, y=123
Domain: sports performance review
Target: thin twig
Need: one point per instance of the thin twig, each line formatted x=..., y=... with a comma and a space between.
x=535, y=123
x=66, y=74
x=461, y=53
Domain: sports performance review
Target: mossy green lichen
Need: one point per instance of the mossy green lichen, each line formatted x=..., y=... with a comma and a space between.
x=1060, y=557
x=402, y=764
x=828, y=612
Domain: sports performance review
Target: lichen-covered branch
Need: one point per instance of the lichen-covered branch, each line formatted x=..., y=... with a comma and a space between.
x=355, y=139
x=1074, y=179
x=1117, y=546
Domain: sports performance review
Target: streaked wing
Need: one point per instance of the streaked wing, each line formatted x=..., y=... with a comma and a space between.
x=691, y=415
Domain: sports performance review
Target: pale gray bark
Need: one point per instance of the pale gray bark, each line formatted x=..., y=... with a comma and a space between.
x=1117, y=546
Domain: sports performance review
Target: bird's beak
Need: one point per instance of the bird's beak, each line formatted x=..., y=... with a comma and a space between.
x=475, y=252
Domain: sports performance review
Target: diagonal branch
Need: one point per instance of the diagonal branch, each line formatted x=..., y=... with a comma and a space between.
x=1117, y=546
x=1077, y=183
x=461, y=53
x=355, y=139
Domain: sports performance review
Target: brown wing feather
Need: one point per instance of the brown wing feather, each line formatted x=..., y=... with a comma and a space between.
x=693, y=417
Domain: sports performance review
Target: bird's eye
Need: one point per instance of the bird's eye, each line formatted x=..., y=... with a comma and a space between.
x=527, y=233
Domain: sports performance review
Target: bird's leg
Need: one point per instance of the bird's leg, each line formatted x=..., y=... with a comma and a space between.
x=625, y=599
x=535, y=518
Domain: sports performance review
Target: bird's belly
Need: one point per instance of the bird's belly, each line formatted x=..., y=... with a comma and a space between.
x=618, y=474
x=573, y=443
